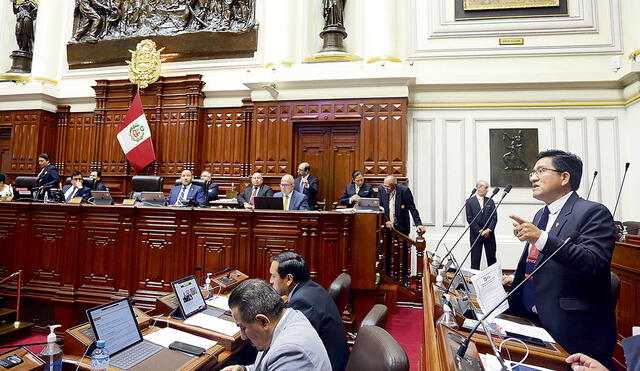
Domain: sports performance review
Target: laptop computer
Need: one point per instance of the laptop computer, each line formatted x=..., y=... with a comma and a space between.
x=116, y=324
x=368, y=204
x=268, y=203
x=152, y=198
x=190, y=299
x=102, y=198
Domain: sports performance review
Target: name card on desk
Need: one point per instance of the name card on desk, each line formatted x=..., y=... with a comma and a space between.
x=129, y=202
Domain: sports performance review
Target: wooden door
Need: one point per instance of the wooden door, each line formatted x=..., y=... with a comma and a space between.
x=332, y=152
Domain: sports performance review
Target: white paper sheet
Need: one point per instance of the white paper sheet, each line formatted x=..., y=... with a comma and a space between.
x=213, y=323
x=168, y=335
x=220, y=302
x=491, y=363
x=536, y=332
x=489, y=290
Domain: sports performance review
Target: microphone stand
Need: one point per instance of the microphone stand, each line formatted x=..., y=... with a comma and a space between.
x=595, y=173
x=463, y=347
x=506, y=191
x=473, y=191
x=626, y=167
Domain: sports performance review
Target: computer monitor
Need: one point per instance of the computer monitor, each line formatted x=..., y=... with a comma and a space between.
x=190, y=299
x=152, y=198
x=56, y=195
x=268, y=203
x=101, y=198
x=116, y=324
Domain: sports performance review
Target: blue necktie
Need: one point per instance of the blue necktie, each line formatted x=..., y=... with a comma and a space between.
x=71, y=195
x=528, y=293
x=181, y=195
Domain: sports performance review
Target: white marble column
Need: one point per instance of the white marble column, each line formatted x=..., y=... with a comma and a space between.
x=281, y=17
x=49, y=48
x=8, y=41
x=380, y=38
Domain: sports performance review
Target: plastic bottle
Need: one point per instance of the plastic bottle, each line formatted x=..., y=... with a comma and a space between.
x=51, y=354
x=447, y=318
x=100, y=357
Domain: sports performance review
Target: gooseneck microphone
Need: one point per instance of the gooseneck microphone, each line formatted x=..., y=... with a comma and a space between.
x=505, y=192
x=473, y=192
x=449, y=251
x=595, y=174
x=463, y=347
x=626, y=168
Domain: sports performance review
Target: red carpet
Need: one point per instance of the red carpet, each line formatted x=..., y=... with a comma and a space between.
x=35, y=337
x=406, y=327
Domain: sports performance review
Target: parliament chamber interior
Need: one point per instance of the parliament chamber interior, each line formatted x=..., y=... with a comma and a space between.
x=319, y=184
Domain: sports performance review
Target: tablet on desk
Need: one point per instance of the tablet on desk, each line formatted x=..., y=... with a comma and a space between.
x=268, y=203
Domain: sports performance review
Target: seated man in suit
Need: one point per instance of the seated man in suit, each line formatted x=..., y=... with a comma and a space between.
x=571, y=295
x=187, y=191
x=96, y=175
x=291, y=199
x=257, y=189
x=48, y=176
x=212, y=192
x=76, y=188
x=355, y=190
x=307, y=184
x=283, y=336
x=290, y=276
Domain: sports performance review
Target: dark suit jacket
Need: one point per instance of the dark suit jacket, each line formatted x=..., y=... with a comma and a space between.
x=212, y=192
x=49, y=177
x=472, y=208
x=314, y=301
x=311, y=192
x=404, y=205
x=573, y=290
x=350, y=189
x=298, y=201
x=263, y=191
x=195, y=193
x=100, y=187
x=84, y=192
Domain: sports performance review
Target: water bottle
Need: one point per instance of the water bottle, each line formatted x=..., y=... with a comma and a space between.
x=100, y=357
x=51, y=354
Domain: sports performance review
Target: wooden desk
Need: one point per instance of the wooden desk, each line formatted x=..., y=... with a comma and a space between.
x=29, y=360
x=78, y=256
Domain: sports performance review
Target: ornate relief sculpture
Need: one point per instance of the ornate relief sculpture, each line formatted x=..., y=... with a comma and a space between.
x=26, y=12
x=117, y=19
x=144, y=67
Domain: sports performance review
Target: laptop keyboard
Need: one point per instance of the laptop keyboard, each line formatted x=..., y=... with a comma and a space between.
x=213, y=312
x=134, y=355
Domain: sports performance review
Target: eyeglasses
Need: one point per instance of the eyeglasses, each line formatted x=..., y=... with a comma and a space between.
x=76, y=179
x=539, y=171
x=285, y=185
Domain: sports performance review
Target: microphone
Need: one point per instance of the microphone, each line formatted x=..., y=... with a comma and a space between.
x=505, y=192
x=595, y=174
x=473, y=191
x=463, y=347
x=217, y=270
x=449, y=251
x=626, y=167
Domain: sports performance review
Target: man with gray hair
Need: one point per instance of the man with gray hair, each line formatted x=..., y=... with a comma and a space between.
x=483, y=207
x=283, y=336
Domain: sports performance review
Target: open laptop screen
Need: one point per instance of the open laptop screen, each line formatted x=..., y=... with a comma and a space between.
x=189, y=296
x=116, y=324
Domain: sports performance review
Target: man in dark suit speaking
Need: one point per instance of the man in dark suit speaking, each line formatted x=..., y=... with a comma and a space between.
x=290, y=276
x=484, y=207
x=257, y=189
x=571, y=295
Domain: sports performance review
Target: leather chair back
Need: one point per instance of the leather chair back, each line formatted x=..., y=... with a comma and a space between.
x=377, y=316
x=145, y=183
x=615, y=289
x=26, y=181
x=339, y=291
x=88, y=182
x=376, y=350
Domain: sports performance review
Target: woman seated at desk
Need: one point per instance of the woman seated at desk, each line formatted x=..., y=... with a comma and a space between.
x=356, y=190
x=5, y=189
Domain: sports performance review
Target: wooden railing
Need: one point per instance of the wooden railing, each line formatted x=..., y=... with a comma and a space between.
x=394, y=261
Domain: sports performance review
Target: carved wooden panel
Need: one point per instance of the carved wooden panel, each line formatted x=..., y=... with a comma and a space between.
x=33, y=132
x=9, y=240
x=384, y=133
x=77, y=139
x=271, y=139
x=224, y=142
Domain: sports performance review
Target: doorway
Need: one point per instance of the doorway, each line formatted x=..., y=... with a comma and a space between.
x=333, y=151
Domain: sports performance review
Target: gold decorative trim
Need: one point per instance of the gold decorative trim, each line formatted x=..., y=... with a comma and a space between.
x=332, y=57
x=528, y=105
x=44, y=79
x=513, y=4
x=634, y=54
x=278, y=63
x=384, y=58
x=17, y=77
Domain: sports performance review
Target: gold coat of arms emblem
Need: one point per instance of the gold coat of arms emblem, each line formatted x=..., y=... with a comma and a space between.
x=145, y=63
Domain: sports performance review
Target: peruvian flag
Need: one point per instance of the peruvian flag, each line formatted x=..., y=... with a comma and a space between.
x=135, y=136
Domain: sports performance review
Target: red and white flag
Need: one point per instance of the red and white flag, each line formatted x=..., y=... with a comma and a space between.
x=135, y=136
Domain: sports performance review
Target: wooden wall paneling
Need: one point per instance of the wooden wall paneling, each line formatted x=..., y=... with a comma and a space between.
x=34, y=132
x=290, y=237
x=62, y=122
x=384, y=140
x=272, y=139
x=345, y=158
x=224, y=138
x=80, y=144
x=11, y=241
x=105, y=252
x=327, y=250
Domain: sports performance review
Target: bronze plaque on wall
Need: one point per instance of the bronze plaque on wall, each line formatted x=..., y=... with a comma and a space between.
x=513, y=154
x=478, y=9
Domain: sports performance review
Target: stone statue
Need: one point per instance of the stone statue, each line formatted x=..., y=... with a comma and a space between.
x=26, y=12
x=334, y=12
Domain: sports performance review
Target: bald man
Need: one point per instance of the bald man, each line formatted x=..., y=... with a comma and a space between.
x=291, y=199
x=181, y=194
x=307, y=184
x=397, y=201
x=482, y=206
x=257, y=189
